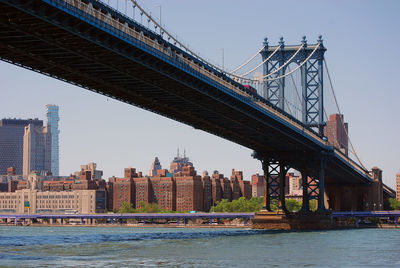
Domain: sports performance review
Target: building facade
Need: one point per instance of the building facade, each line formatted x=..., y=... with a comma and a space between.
x=143, y=191
x=34, y=200
x=52, y=123
x=189, y=193
x=257, y=185
x=37, y=149
x=179, y=162
x=12, y=143
x=207, y=192
x=155, y=166
x=123, y=191
x=92, y=168
x=337, y=132
x=164, y=192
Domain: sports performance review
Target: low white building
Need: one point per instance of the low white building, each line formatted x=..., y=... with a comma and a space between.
x=33, y=200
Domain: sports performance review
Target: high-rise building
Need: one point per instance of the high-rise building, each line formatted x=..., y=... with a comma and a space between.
x=257, y=185
x=164, y=192
x=179, y=162
x=216, y=186
x=12, y=143
x=207, y=191
x=91, y=167
x=398, y=186
x=37, y=149
x=189, y=190
x=156, y=165
x=295, y=184
x=52, y=122
x=336, y=130
x=123, y=191
x=143, y=191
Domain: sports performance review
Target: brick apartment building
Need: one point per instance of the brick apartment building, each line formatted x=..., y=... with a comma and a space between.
x=207, y=192
x=123, y=190
x=293, y=187
x=336, y=130
x=257, y=185
x=189, y=190
x=182, y=191
x=164, y=192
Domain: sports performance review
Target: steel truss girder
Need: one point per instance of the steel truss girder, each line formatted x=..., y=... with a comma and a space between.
x=311, y=80
x=273, y=90
x=274, y=182
x=312, y=94
x=314, y=185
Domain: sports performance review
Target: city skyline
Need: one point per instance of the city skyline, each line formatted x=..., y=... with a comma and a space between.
x=135, y=136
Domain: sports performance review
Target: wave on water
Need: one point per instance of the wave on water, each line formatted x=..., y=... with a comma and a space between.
x=9, y=240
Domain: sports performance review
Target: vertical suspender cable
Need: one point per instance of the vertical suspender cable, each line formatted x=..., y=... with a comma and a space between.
x=337, y=105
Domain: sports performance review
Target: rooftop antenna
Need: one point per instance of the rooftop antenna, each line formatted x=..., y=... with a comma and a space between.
x=178, y=153
x=184, y=153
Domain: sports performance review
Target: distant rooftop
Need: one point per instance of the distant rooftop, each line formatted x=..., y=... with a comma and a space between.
x=20, y=122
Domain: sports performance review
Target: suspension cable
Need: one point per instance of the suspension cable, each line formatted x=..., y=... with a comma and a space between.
x=170, y=36
x=261, y=79
x=267, y=59
x=295, y=69
x=286, y=63
x=294, y=84
x=249, y=60
x=337, y=106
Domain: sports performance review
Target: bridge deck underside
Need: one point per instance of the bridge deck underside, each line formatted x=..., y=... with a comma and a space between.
x=52, y=42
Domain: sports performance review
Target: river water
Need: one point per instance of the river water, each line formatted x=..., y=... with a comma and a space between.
x=186, y=247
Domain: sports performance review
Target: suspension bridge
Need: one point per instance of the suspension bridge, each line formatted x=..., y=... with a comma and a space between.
x=273, y=103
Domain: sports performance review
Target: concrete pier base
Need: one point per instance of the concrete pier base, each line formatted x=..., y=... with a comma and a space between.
x=293, y=221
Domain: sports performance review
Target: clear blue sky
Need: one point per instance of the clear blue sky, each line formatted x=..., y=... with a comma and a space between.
x=360, y=36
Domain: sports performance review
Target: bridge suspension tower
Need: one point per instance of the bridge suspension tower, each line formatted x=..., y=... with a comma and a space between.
x=309, y=58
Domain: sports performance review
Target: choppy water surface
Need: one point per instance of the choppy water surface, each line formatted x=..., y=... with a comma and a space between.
x=173, y=247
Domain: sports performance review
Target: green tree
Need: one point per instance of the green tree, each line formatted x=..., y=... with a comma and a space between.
x=126, y=207
x=293, y=205
x=394, y=204
x=313, y=204
x=240, y=205
x=144, y=207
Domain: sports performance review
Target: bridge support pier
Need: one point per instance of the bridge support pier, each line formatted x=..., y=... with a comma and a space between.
x=274, y=183
x=313, y=181
x=305, y=206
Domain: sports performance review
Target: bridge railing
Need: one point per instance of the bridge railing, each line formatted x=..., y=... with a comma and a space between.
x=351, y=162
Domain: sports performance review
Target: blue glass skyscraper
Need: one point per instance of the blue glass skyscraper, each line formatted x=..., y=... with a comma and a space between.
x=52, y=122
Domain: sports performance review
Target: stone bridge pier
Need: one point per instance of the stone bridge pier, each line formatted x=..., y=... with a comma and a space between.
x=356, y=197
